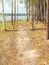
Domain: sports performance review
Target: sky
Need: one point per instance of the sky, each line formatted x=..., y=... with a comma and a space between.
x=7, y=7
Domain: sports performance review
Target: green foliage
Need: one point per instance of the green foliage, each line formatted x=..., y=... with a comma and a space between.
x=34, y=1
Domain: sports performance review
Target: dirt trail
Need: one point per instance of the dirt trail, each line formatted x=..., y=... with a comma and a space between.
x=26, y=55
x=17, y=49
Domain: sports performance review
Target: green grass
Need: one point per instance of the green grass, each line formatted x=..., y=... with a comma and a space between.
x=8, y=26
x=1, y=26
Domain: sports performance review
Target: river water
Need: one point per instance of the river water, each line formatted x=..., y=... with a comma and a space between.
x=8, y=17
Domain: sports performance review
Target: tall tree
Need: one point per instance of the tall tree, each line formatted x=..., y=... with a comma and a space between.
x=29, y=9
x=4, y=24
x=48, y=16
x=26, y=3
x=14, y=11
x=33, y=3
x=17, y=10
x=32, y=17
x=12, y=14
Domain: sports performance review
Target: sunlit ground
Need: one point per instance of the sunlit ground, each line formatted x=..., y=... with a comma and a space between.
x=16, y=45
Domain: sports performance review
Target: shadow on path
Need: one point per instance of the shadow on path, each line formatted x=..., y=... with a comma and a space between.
x=27, y=30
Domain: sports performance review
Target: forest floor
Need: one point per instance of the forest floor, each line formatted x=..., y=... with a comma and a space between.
x=24, y=46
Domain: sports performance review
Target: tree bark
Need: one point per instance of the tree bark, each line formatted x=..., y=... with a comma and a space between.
x=4, y=25
x=29, y=9
x=12, y=14
x=17, y=11
x=32, y=17
x=48, y=18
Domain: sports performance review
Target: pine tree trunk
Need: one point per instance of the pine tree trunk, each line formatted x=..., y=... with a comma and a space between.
x=4, y=27
x=32, y=17
x=27, y=14
x=29, y=10
x=37, y=13
x=12, y=14
x=45, y=11
x=48, y=17
x=17, y=11
x=14, y=11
